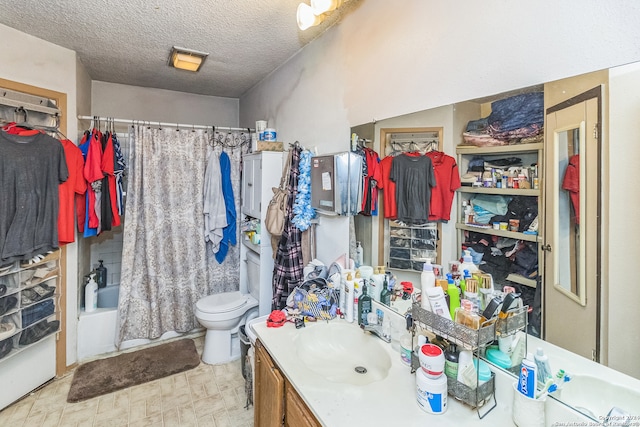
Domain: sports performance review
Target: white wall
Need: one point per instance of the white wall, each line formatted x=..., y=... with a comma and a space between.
x=389, y=58
x=35, y=62
x=623, y=226
x=160, y=105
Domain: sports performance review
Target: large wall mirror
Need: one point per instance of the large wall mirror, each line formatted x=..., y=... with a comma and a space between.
x=584, y=240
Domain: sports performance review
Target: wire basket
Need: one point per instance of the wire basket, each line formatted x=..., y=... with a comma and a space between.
x=517, y=321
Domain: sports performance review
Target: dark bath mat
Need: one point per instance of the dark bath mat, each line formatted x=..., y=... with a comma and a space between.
x=128, y=369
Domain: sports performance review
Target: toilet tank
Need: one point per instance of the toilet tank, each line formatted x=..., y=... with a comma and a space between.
x=253, y=274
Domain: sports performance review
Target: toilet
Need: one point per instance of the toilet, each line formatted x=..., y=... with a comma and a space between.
x=223, y=314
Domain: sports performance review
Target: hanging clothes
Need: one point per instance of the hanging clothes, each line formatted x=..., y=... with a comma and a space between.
x=372, y=180
x=288, y=263
x=110, y=216
x=230, y=230
x=32, y=166
x=69, y=191
x=447, y=177
x=389, y=186
x=93, y=175
x=118, y=171
x=215, y=217
x=414, y=179
x=571, y=183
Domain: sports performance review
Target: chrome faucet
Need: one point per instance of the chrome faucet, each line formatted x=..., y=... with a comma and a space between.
x=377, y=330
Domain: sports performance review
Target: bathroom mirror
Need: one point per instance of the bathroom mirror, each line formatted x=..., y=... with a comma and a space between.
x=600, y=250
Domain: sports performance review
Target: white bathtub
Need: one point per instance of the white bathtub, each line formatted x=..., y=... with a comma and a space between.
x=97, y=330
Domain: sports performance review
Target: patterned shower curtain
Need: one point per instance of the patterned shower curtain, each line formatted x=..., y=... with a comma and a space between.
x=166, y=266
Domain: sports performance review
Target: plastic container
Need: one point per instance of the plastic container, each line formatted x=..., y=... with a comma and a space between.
x=431, y=360
x=364, y=306
x=427, y=280
x=91, y=294
x=405, y=349
x=359, y=255
x=431, y=393
x=270, y=134
x=451, y=362
x=376, y=283
x=454, y=296
x=467, y=263
x=101, y=275
x=349, y=295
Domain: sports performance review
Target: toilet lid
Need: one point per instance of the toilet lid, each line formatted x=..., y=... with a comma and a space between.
x=223, y=302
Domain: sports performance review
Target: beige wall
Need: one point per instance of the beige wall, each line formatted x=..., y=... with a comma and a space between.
x=159, y=105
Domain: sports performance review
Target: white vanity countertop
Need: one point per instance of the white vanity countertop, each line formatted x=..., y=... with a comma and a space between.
x=388, y=402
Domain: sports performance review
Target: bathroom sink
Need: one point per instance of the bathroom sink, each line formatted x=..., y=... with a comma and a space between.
x=343, y=353
x=595, y=396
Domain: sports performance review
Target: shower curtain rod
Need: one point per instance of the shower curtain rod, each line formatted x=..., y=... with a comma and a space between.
x=161, y=124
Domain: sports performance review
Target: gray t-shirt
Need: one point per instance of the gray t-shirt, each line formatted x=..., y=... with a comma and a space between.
x=414, y=179
x=31, y=169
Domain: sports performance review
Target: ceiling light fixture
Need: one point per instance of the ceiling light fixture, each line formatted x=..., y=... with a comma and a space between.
x=186, y=59
x=310, y=16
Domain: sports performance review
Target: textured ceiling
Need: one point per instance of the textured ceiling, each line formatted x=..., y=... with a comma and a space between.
x=129, y=41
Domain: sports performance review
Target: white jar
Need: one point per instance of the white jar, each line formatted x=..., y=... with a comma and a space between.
x=431, y=393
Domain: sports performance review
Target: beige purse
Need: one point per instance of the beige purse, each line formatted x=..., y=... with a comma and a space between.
x=277, y=209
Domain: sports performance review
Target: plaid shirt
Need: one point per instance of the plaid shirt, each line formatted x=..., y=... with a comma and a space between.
x=288, y=264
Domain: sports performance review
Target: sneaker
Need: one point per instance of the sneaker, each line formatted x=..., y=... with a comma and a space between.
x=6, y=330
x=5, y=347
x=7, y=304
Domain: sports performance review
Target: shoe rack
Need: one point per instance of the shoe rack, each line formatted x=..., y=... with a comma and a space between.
x=29, y=314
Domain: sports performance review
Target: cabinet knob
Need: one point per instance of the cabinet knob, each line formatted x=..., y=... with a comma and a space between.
x=249, y=184
x=546, y=248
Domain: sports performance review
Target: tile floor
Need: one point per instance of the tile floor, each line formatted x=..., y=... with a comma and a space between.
x=212, y=396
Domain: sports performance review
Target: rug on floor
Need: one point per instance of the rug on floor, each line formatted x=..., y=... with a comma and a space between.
x=104, y=376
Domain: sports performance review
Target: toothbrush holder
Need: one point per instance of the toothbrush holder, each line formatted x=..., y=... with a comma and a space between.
x=528, y=412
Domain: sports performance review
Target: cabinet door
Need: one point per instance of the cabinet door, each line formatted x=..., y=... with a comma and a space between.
x=256, y=202
x=269, y=391
x=297, y=413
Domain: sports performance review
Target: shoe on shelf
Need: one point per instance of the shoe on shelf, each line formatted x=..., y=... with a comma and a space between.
x=6, y=330
x=7, y=303
x=3, y=289
x=5, y=347
x=38, y=331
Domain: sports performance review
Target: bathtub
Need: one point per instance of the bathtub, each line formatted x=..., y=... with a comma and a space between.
x=97, y=330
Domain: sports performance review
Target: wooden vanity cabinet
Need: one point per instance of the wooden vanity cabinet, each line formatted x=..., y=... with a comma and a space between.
x=276, y=402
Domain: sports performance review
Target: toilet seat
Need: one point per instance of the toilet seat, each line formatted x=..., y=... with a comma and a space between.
x=222, y=303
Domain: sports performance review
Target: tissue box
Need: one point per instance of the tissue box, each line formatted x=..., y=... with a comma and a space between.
x=270, y=146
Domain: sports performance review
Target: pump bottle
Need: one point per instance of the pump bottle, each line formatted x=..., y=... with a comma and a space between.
x=91, y=294
x=427, y=280
x=467, y=262
x=454, y=296
x=364, y=306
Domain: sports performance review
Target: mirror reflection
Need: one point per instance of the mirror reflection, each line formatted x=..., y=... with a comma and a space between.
x=567, y=215
x=576, y=190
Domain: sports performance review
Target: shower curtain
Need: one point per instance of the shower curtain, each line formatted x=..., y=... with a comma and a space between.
x=166, y=266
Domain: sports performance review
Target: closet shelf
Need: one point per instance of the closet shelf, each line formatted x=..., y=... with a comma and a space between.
x=516, y=148
x=517, y=278
x=500, y=233
x=500, y=191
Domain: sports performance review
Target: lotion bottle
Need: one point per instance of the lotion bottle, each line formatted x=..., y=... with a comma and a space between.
x=91, y=294
x=349, y=291
x=454, y=296
x=427, y=281
x=376, y=283
x=467, y=263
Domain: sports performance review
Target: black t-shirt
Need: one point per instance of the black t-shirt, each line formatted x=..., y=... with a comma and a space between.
x=31, y=169
x=414, y=179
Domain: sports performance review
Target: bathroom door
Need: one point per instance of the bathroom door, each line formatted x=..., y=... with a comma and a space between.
x=572, y=225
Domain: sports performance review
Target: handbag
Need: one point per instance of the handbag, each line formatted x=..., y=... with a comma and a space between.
x=277, y=209
x=315, y=298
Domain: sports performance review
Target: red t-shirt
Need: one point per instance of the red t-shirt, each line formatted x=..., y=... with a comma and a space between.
x=93, y=172
x=571, y=183
x=67, y=192
x=447, y=182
